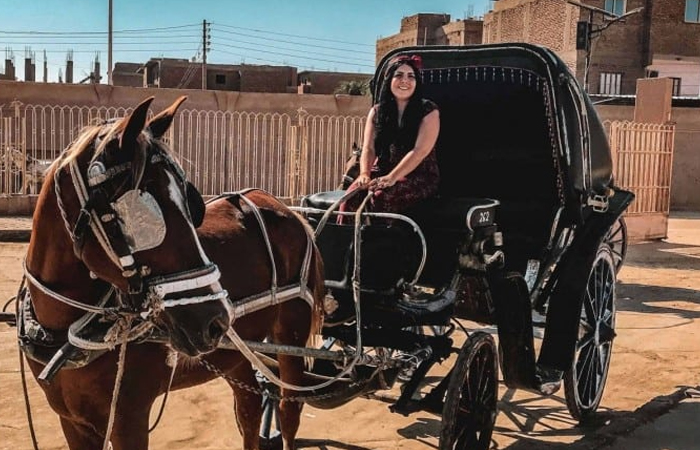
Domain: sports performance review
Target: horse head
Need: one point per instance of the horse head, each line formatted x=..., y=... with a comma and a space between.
x=129, y=215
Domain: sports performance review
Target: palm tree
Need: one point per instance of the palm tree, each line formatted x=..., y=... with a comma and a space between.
x=353, y=87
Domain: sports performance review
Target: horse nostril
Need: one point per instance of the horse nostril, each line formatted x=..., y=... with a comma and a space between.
x=217, y=328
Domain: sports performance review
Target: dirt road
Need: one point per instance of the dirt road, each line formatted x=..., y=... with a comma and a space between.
x=656, y=357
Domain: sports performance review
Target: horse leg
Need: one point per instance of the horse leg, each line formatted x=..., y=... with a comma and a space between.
x=81, y=436
x=130, y=432
x=291, y=371
x=291, y=368
x=248, y=407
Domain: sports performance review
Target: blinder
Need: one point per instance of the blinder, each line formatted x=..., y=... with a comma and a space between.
x=140, y=219
x=195, y=205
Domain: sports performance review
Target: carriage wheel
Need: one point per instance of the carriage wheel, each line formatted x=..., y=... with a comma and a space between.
x=469, y=413
x=585, y=381
x=616, y=238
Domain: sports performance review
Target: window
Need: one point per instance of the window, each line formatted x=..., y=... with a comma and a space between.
x=616, y=7
x=676, y=86
x=652, y=73
x=692, y=11
x=610, y=83
x=220, y=79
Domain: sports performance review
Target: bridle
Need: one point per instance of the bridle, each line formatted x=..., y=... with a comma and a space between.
x=146, y=295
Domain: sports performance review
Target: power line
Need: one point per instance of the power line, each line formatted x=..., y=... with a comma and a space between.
x=267, y=60
x=286, y=48
x=295, y=43
x=293, y=35
x=295, y=56
x=95, y=33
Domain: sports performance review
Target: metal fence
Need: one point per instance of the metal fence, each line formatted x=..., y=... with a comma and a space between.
x=642, y=162
x=287, y=155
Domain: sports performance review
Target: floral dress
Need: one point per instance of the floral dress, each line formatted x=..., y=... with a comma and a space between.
x=418, y=185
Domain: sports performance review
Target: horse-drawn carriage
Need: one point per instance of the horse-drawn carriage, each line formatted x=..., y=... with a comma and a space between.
x=522, y=223
x=522, y=226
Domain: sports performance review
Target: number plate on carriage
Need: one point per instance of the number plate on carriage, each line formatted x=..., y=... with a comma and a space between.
x=481, y=216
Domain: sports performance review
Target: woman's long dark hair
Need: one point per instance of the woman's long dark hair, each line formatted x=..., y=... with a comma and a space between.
x=387, y=129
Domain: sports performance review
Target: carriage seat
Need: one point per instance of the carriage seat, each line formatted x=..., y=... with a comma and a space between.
x=434, y=213
x=322, y=200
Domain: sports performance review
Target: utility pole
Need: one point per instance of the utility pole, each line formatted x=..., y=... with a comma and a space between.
x=109, y=47
x=205, y=48
x=585, y=31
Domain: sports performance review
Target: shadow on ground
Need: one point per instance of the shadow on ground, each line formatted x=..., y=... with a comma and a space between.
x=534, y=424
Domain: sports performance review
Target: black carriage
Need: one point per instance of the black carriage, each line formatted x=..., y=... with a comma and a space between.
x=526, y=232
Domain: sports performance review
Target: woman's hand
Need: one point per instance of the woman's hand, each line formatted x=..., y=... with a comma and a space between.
x=363, y=180
x=382, y=182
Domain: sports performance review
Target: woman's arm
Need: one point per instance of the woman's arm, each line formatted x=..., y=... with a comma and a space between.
x=425, y=142
x=368, y=154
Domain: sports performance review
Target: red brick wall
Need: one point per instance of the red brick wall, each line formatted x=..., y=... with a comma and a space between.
x=620, y=48
x=462, y=32
x=670, y=34
x=268, y=79
x=551, y=23
x=431, y=29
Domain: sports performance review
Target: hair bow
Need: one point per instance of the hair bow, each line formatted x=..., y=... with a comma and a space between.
x=416, y=60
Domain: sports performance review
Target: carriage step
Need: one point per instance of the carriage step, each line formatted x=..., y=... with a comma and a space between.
x=8, y=318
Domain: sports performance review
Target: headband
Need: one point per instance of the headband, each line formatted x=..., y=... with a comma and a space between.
x=415, y=60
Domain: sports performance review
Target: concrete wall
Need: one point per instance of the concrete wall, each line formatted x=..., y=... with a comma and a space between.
x=685, y=190
x=103, y=95
x=685, y=183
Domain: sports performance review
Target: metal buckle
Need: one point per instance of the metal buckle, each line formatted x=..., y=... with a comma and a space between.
x=598, y=202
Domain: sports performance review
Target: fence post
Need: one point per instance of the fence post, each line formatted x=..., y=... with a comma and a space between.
x=19, y=144
x=298, y=138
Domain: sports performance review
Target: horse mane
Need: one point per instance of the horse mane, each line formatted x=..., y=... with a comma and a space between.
x=90, y=132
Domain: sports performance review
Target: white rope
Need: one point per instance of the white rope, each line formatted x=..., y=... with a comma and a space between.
x=262, y=300
x=195, y=300
x=115, y=392
x=68, y=301
x=168, y=287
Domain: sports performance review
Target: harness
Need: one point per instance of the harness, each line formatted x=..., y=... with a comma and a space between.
x=120, y=316
x=101, y=328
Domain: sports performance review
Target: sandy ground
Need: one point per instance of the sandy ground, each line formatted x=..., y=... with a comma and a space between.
x=656, y=357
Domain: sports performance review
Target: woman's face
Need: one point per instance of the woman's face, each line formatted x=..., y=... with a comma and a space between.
x=403, y=82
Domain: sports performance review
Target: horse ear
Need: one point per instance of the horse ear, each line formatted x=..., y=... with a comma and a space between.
x=135, y=123
x=160, y=123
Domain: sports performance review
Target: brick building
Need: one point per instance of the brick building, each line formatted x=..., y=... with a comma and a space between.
x=662, y=40
x=431, y=29
x=319, y=82
x=9, y=73
x=184, y=74
x=127, y=74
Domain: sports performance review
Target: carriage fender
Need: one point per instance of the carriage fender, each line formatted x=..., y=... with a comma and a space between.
x=571, y=278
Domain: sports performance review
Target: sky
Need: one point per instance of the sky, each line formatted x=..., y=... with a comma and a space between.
x=330, y=35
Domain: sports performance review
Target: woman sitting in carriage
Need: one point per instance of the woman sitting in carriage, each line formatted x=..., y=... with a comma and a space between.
x=398, y=161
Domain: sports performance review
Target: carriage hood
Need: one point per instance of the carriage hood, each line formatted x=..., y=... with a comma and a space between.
x=578, y=141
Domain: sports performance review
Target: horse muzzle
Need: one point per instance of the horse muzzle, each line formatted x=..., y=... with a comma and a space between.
x=194, y=308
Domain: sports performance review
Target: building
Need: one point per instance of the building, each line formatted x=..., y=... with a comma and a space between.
x=184, y=74
x=127, y=74
x=660, y=40
x=431, y=29
x=319, y=82
x=9, y=73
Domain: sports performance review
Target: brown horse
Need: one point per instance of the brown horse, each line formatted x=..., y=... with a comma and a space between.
x=116, y=212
